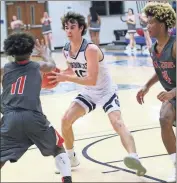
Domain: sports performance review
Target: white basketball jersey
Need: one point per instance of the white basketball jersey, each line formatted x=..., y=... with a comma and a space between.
x=79, y=66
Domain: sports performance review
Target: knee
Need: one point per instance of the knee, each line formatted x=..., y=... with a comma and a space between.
x=165, y=122
x=66, y=123
x=117, y=124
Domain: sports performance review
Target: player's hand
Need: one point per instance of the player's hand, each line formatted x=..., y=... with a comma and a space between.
x=164, y=96
x=41, y=48
x=140, y=95
x=57, y=77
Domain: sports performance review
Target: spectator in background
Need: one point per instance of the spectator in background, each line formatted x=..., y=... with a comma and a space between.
x=94, y=23
x=47, y=30
x=131, y=23
x=16, y=25
x=143, y=22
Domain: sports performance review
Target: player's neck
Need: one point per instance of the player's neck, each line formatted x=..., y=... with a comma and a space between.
x=163, y=39
x=76, y=44
x=20, y=58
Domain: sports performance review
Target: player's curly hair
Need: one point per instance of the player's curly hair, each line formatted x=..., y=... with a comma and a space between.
x=72, y=17
x=18, y=44
x=163, y=12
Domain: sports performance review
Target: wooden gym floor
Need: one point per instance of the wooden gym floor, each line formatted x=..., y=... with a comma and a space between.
x=98, y=147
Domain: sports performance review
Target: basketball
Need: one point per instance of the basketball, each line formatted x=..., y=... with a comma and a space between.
x=45, y=80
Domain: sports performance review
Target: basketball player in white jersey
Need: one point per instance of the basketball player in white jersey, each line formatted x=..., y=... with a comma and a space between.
x=87, y=67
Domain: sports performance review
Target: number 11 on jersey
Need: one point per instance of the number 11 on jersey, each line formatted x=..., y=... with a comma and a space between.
x=21, y=80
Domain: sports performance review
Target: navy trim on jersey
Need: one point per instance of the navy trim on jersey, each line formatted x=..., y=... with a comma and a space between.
x=102, y=54
x=77, y=52
x=99, y=49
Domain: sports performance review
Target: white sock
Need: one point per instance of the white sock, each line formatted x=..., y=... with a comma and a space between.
x=63, y=164
x=134, y=155
x=70, y=152
x=173, y=157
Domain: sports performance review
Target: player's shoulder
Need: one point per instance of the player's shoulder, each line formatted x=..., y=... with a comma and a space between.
x=92, y=48
x=9, y=64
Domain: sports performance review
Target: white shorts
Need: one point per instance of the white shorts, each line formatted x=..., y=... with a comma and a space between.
x=109, y=102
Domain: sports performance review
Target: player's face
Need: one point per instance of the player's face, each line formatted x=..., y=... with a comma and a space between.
x=153, y=27
x=72, y=30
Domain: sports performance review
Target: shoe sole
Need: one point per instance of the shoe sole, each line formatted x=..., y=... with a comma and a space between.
x=135, y=164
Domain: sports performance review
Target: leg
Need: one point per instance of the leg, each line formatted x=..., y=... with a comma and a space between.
x=63, y=165
x=167, y=118
x=125, y=135
x=78, y=108
x=93, y=36
x=46, y=40
x=50, y=36
x=47, y=139
x=97, y=38
x=112, y=108
x=50, y=40
x=14, y=142
x=74, y=112
x=133, y=40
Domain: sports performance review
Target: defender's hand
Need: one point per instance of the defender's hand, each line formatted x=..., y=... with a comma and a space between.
x=140, y=95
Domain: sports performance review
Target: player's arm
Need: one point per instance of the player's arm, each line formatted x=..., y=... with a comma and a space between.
x=2, y=73
x=145, y=89
x=173, y=92
x=154, y=79
x=92, y=57
x=12, y=25
x=48, y=64
x=132, y=20
x=174, y=50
